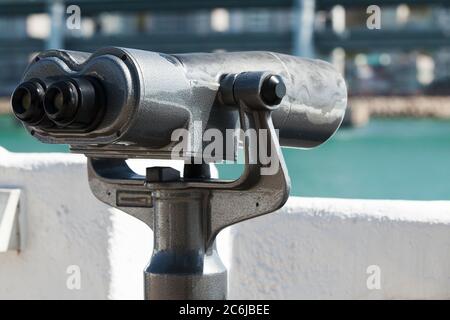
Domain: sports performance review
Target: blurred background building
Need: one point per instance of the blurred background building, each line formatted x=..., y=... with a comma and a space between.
x=396, y=72
x=410, y=54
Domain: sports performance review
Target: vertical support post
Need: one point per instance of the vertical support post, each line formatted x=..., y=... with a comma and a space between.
x=181, y=267
x=56, y=12
x=304, y=11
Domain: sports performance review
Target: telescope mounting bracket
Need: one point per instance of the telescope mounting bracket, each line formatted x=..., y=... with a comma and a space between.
x=175, y=207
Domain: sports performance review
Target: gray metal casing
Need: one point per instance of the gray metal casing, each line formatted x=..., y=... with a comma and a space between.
x=150, y=94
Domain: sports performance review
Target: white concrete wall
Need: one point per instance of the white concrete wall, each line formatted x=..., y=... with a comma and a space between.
x=321, y=249
x=66, y=225
x=313, y=248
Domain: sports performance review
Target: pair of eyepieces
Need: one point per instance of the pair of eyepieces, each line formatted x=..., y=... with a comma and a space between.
x=67, y=102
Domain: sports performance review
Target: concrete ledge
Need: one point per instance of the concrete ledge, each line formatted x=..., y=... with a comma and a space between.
x=312, y=248
x=68, y=231
x=330, y=249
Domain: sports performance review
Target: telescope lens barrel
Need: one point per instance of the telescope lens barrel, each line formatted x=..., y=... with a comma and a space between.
x=27, y=102
x=72, y=102
x=61, y=102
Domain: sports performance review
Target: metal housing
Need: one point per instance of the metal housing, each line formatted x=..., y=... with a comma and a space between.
x=149, y=95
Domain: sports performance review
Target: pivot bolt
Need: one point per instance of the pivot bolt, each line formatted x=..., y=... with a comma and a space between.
x=273, y=90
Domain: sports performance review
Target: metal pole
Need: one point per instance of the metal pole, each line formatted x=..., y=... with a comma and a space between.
x=182, y=267
x=56, y=12
x=304, y=11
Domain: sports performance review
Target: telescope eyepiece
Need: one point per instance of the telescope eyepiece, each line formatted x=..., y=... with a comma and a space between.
x=27, y=102
x=61, y=101
x=72, y=102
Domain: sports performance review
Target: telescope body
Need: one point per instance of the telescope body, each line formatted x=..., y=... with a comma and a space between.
x=118, y=101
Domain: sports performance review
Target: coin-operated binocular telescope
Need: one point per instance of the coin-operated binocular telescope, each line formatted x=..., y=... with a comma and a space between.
x=117, y=104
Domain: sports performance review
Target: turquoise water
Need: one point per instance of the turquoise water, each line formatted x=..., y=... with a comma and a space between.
x=14, y=137
x=388, y=159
